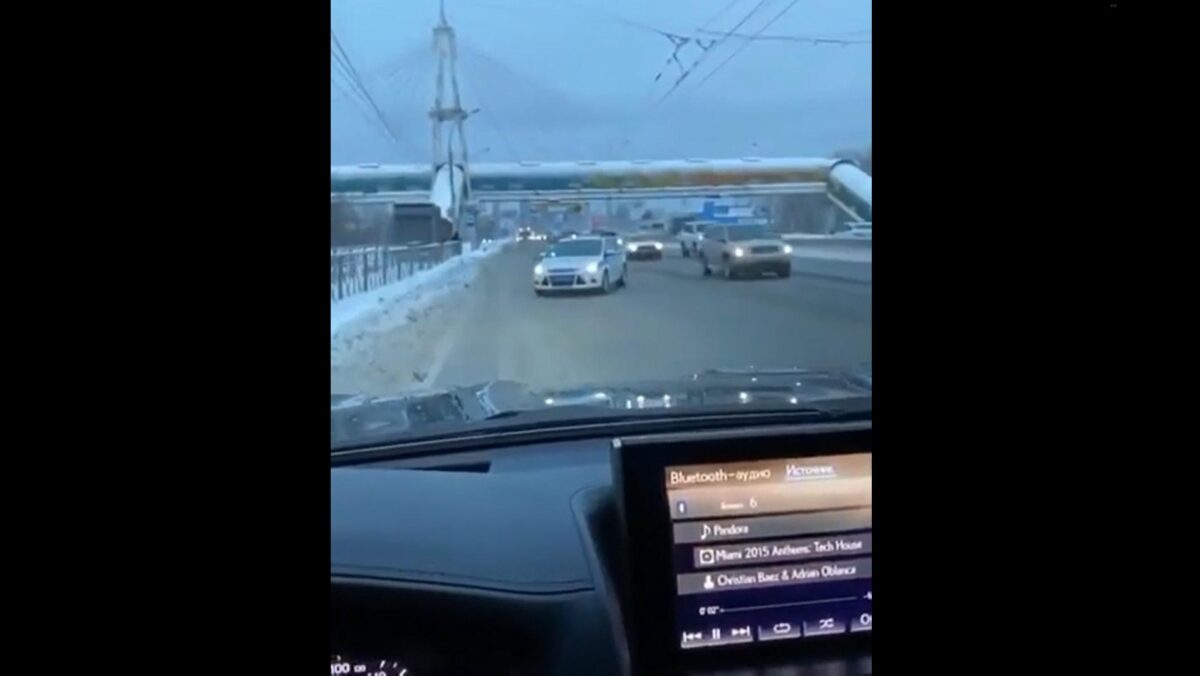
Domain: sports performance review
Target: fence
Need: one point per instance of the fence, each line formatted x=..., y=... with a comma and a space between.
x=357, y=269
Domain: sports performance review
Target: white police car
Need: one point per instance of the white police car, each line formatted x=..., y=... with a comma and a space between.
x=581, y=264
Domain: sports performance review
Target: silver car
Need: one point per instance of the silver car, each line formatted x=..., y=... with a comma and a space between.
x=735, y=250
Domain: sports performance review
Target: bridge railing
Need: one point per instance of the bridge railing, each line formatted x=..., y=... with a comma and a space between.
x=353, y=270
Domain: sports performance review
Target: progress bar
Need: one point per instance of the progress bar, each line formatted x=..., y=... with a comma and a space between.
x=839, y=599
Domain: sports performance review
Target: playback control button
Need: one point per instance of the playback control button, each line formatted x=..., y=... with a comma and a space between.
x=861, y=622
x=824, y=626
x=778, y=631
x=714, y=636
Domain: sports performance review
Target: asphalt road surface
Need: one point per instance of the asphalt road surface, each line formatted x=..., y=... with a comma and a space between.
x=669, y=321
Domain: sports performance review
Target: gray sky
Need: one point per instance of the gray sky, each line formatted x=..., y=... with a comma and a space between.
x=570, y=79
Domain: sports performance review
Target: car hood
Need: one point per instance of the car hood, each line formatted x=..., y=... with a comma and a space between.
x=747, y=243
x=568, y=262
x=360, y=419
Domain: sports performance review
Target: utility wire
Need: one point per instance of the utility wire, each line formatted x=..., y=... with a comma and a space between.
x=358, y=102
x=353, y=102
x=348, y=69
x=721, y=11
x=543, y=13
x=679, y=42
x=494, y=122
x=355, y=98
x=719, y=42
x=788, y=38
x=339, y=68
x=536, y=141
x=347, y=65
x=745, y=44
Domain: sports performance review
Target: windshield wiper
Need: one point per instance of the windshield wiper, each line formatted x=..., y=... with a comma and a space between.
x=581, y=422
x=604, y=413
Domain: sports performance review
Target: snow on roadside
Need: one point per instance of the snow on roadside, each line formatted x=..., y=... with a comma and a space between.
x=379, y=306
x=388, y=340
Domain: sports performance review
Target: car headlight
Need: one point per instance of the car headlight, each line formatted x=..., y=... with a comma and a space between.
x=658, y=245
x=787, y=248
x=738, y=252
x=593, y=267
x=632, y=247
x=539, y=269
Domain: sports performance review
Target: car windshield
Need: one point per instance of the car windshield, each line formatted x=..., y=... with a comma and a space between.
x=577, y=247
x=474, y=142
x=746, y=232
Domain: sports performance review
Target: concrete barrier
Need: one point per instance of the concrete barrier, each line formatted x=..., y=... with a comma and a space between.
x=795, y=238
x=832, y=249
x=857, y=272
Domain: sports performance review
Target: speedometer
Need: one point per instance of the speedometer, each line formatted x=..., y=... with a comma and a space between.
x=342, y=666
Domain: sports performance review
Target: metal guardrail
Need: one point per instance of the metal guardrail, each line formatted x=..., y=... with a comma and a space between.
x=655, y=192
x=479, y=194
x=354, y=270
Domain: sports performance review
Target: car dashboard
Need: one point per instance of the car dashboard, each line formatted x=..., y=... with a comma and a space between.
x=538, y=559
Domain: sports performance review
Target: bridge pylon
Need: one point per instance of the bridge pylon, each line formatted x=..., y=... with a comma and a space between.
x=447, y=116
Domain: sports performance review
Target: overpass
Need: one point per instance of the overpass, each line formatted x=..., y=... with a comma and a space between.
x=450, y=183
x=842, y=181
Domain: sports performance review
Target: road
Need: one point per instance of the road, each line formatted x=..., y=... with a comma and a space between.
x=669, y=321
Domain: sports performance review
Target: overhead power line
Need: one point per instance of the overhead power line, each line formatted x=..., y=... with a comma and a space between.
x=547, y=13
x=675, y=36
x=351, y=73
x=745, y=44
x=816, y=40
x=679, y=41
x=349, y=89
x=718, y=43
x=537, y=139
x=353, y=101
x=724, y=8
x=347, y=65
x=354, y=96
x=493, y=121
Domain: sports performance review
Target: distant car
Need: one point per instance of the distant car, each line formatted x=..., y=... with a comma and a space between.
x=735, y=250
x=644, y=246
x=563, y=234
x=609, y=233
x=690, y=237
x=853, y=231
x=529, y=235
x=580, y=264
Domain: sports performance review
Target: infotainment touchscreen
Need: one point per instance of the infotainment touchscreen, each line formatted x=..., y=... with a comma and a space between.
x=771, y=550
